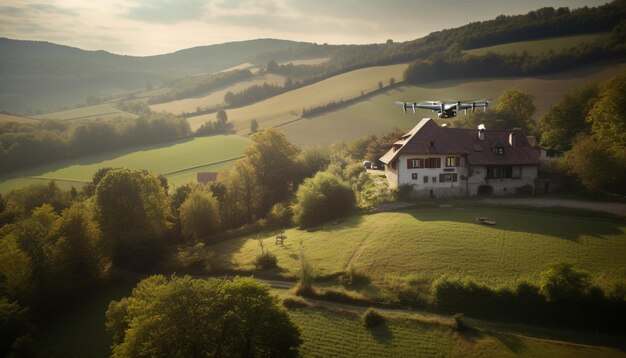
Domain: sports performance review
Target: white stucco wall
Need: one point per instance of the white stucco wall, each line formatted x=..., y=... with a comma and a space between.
x=433, y=187
x=501, y=186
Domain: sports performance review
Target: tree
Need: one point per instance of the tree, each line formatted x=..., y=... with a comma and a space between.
x=325, y=196
x=380, y=85
x=254, y=126
x=198, y=215
x=608, y=114
x=562, y=282
x=132, y=209
x=16, y=270
x=516, y=109
x=566, y=120
x=273, y=159
x=597, y=165
x=185, y=317
x=74, y=257
x=15, y=330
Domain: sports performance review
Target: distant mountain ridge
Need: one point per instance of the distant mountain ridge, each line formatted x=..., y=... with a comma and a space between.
x=36, y=74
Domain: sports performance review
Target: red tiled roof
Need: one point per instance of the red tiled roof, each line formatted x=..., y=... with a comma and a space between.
x=466, y=142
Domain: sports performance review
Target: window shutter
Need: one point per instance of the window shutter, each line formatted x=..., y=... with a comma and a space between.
x=408, y=164
x=441, y=177
x=438, y=163
x=454, y=177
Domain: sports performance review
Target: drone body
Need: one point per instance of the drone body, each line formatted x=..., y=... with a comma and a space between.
x=446, y=109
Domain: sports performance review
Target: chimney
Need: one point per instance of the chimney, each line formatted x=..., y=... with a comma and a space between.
x=481, y=132
x=512, y=139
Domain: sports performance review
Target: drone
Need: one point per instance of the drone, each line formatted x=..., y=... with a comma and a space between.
x=446, y=109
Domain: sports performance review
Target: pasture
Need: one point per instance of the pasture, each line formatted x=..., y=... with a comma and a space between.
x=217, y=97
x=329, y=333
x=424, y=243
x=324, y=333
x=538, y=47
x=103, y=111
x=178, y=161
x=379, y=114
x=6, y=118
x=288, y=106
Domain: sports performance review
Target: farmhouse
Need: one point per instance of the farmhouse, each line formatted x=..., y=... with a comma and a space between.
x=441, y=162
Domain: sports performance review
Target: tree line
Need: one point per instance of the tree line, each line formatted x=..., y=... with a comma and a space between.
x=32, y=143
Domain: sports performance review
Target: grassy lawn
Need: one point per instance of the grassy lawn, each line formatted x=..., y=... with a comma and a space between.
x=217, y=97
x=379, y=114
x=425, y=243
x=176, y=160
x=341, y=334
x=288, y=106
x=538, y=47
x=103, y=111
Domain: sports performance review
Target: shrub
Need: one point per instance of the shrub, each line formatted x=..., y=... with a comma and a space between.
x=295, y=303
x=561, y=282
x=459, y=325
x=371, y=318
x=353, y=276
x=404, y=192
x=266, y=261
x=279, y=216
x=524, y=190
x=321, y=198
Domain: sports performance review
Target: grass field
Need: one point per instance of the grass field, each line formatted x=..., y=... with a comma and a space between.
x=425, y=243
x=217, y=97
x=178, y=161
x=324, y=332
x=378, y=114
x=4, y=118
x=538, y=47
x=104, y=111
x=341, y=334
x=288, y=106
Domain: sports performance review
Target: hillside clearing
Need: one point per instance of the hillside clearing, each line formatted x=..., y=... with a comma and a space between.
x=5, y=118
x=103, y=111
x=426, y=243
x=178, y=161
x=288, y=106
x=308, y=62
x=378, y=114
x=217, y=97
x=538, y=47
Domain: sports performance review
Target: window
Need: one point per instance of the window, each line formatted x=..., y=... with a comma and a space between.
x=503, y=172
x=498, y=150
x=432, y=163
x=434, y=179
x=414, y=176
x=415, y=163
x=425, y=179
x=445, y=177
x=453, y=161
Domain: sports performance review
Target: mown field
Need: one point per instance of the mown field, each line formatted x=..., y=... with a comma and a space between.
x=217, y=97
x=341, y=334
x=178, y=161
x=379, y=114
x=287, y=107
x=538, y=47
x=103, y=111
x=325, y=333
x=425, y=243
x=4, y=118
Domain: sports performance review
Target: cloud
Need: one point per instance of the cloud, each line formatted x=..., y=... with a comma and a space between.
x=52, y=9
x=166, y=11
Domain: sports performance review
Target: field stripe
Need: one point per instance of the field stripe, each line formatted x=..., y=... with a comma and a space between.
x=203, y=165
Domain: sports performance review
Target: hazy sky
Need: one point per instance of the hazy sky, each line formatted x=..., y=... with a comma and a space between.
x=148, y=27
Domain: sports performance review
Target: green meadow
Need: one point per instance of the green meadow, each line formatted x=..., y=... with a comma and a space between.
x=425, y=243
x=538, y=47
x=178, y=161
x=287, y=107
x=308, y=62
x=379, y=114
x=217, y=97
x=103, y=111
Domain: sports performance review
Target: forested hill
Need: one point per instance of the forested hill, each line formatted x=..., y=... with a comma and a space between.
x=42, y=74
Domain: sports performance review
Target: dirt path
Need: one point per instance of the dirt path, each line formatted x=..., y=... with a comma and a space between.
x=609, y=207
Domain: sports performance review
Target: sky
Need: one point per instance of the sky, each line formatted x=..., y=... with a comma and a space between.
x=150, y=27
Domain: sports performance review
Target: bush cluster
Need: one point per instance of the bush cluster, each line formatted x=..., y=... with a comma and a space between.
x=371, y=318
x=266, y=261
